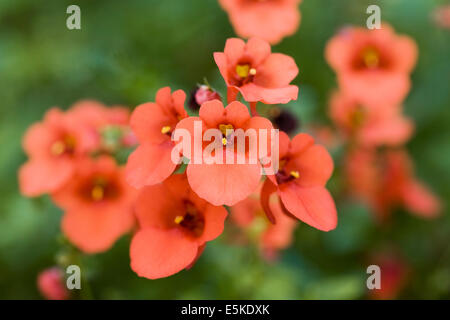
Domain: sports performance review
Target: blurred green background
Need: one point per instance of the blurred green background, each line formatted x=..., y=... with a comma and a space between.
x=124, y=52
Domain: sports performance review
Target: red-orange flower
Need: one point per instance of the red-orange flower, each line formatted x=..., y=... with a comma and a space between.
x=386, y=179
x=224, y=183
x=153, y=124
x=271, y=20
x=51, y=284
x=271, y=237
x=53, y=147
x=372, y=65
x=258, y=74
x=369, y=125
x=394, y=275
x=97, y=203
x=175, y=225
x=304, y=170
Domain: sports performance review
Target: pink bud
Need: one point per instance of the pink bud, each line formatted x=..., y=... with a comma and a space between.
x=204, y=94
x=51, y=284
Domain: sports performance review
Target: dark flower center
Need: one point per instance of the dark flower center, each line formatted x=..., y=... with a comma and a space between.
x=192, y=222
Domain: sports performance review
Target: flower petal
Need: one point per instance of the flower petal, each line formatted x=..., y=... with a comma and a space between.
x=96, y=230
x=314, y=206
x=150, y=164
x=224, y=183
x=158, y=253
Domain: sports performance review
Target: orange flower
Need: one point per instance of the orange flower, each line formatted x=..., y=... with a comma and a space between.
x=305, y=168
x=387, y=179
x=273, y=237
x=53, y=146
x=153, y=123
x=97, y=203
x=224, y=183
x=271, y=20
x=372, y=66
x=51, y=284
x=369, y=126
x=251, y=68
x=175, y=225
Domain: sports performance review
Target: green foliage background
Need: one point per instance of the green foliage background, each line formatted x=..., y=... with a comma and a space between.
x=125, y=51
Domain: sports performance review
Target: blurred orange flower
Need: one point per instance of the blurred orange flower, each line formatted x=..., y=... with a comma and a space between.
x=386, y=179
x=259, y=75
x=372, y=66
x=175, y=225
x=272, y=237
x=97, y=203
x=369, y=126
x=53, y=146
x=271, y=20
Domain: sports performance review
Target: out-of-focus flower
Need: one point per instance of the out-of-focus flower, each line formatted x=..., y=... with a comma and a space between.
x=51, y=284
x=394, y=276
x=153, y=124
x=372, y=66
x=97, y=203
x=325, y=136
x=249, y=215
x=201, y=95
x=224, y=183
x=305, y=168
x=369, y=125
x=284, y=120
x=441, y=16
x=175, y=225
x=53, y=147
x=259, y=75
x=386, y=179
x=108, y=126
x=271, y=20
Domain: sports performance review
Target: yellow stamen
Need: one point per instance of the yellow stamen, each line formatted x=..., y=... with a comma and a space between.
x=242, y=70
x=178, y=219
x=165, y=129
x=357, y=118
x=252, y=71
x=224, y=141
x=295, y=174
x=371, y=58
x=97, y=193
x=58, y=148
x=224, y=127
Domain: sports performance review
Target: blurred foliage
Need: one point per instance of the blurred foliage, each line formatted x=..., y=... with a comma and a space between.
x=125, y=51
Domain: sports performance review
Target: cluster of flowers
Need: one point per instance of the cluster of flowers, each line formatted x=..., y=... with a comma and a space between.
x=373, y=72
x=177, y=209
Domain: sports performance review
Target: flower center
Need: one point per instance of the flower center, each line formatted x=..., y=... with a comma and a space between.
x=166, y=129
x=244, y=70
x=357, y=118
x=192, y=221
x=227, y=132
x=243, y=74
x=64, y=145
x=371, y=58
x=283, y=177
x=99, y=188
